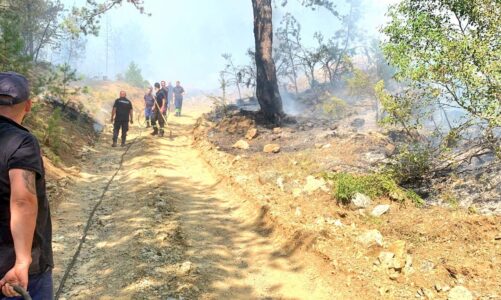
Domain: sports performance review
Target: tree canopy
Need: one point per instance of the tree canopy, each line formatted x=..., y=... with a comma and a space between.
x=447, y=58
x=452, y=47
x=134, y=77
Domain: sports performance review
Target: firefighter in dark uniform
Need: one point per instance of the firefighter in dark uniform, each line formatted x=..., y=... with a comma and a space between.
x=159, y=107
x=121, y=115
x=25, y=225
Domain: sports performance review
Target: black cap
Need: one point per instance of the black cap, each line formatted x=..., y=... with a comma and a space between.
x=14, y=86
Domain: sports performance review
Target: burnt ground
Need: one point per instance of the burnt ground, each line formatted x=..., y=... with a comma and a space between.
x=445, y=246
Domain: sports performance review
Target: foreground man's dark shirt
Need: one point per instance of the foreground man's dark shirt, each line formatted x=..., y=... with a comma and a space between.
x=19, y=149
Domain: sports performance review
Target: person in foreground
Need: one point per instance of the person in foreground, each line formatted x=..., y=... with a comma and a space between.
x=25, y=225
x=121, y=114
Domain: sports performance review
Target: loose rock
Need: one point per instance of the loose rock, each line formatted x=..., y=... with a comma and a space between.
x=360, y=200
x=442, y=288
x=371, y=237
x=251, y=133
x=241, y=144
x=428, y=293
x=459, y=293
x=298, y=212
x=186, y=268
x=385, y=259
x=389, y=150
x=313, y=184
x=380, y=210
x=280, y=183
x=277, y=130
x=296, y=192
x=271, y=148
x=398, y=247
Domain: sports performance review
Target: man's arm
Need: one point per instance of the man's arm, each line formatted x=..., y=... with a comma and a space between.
x=164, y=102
x=23, y=211
x=113, y=114
x=155, y=103
x=131, y=114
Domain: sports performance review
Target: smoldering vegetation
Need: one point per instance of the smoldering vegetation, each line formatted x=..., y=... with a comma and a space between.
x=442, y=120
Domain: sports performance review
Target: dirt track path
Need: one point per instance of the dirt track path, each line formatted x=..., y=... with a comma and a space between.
x=169, y=229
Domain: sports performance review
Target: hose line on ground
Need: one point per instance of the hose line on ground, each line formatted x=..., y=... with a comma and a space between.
x=90, y=219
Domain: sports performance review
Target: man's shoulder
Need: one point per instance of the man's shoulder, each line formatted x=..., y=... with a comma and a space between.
x=16, y=131
x=28, y=138
x=16, y=138
x=124, y=100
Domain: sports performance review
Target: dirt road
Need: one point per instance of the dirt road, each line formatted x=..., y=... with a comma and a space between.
x=168, y=228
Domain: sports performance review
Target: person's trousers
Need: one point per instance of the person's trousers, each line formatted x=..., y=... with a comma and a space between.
x=148, y=112
x=120, y=125
x=171, y=103
x=40, y=287
x=157, y=117
x=179, y=105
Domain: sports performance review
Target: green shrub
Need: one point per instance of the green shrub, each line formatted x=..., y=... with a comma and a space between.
x=334, y=107
x=346, y=185
x=54, y=131
x=360, y=85
x=412, y=163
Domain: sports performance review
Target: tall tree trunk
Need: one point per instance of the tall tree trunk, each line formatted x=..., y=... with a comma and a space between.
x=267, y=91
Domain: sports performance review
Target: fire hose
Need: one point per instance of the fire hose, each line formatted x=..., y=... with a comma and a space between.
x=21, y=291
x=88, y=225
x=89, y=221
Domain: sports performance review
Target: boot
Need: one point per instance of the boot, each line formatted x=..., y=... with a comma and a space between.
x=161, y=132
x=114, y=144
x=155, y=131
x=123, y=143
x=148, y=124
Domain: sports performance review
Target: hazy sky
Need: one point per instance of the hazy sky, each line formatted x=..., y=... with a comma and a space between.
x=184, y=40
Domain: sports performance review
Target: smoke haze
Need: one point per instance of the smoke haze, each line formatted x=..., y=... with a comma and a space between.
x=184, y=40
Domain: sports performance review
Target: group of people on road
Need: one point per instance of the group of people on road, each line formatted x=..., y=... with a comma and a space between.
x=156, y=108
x=158, y=104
